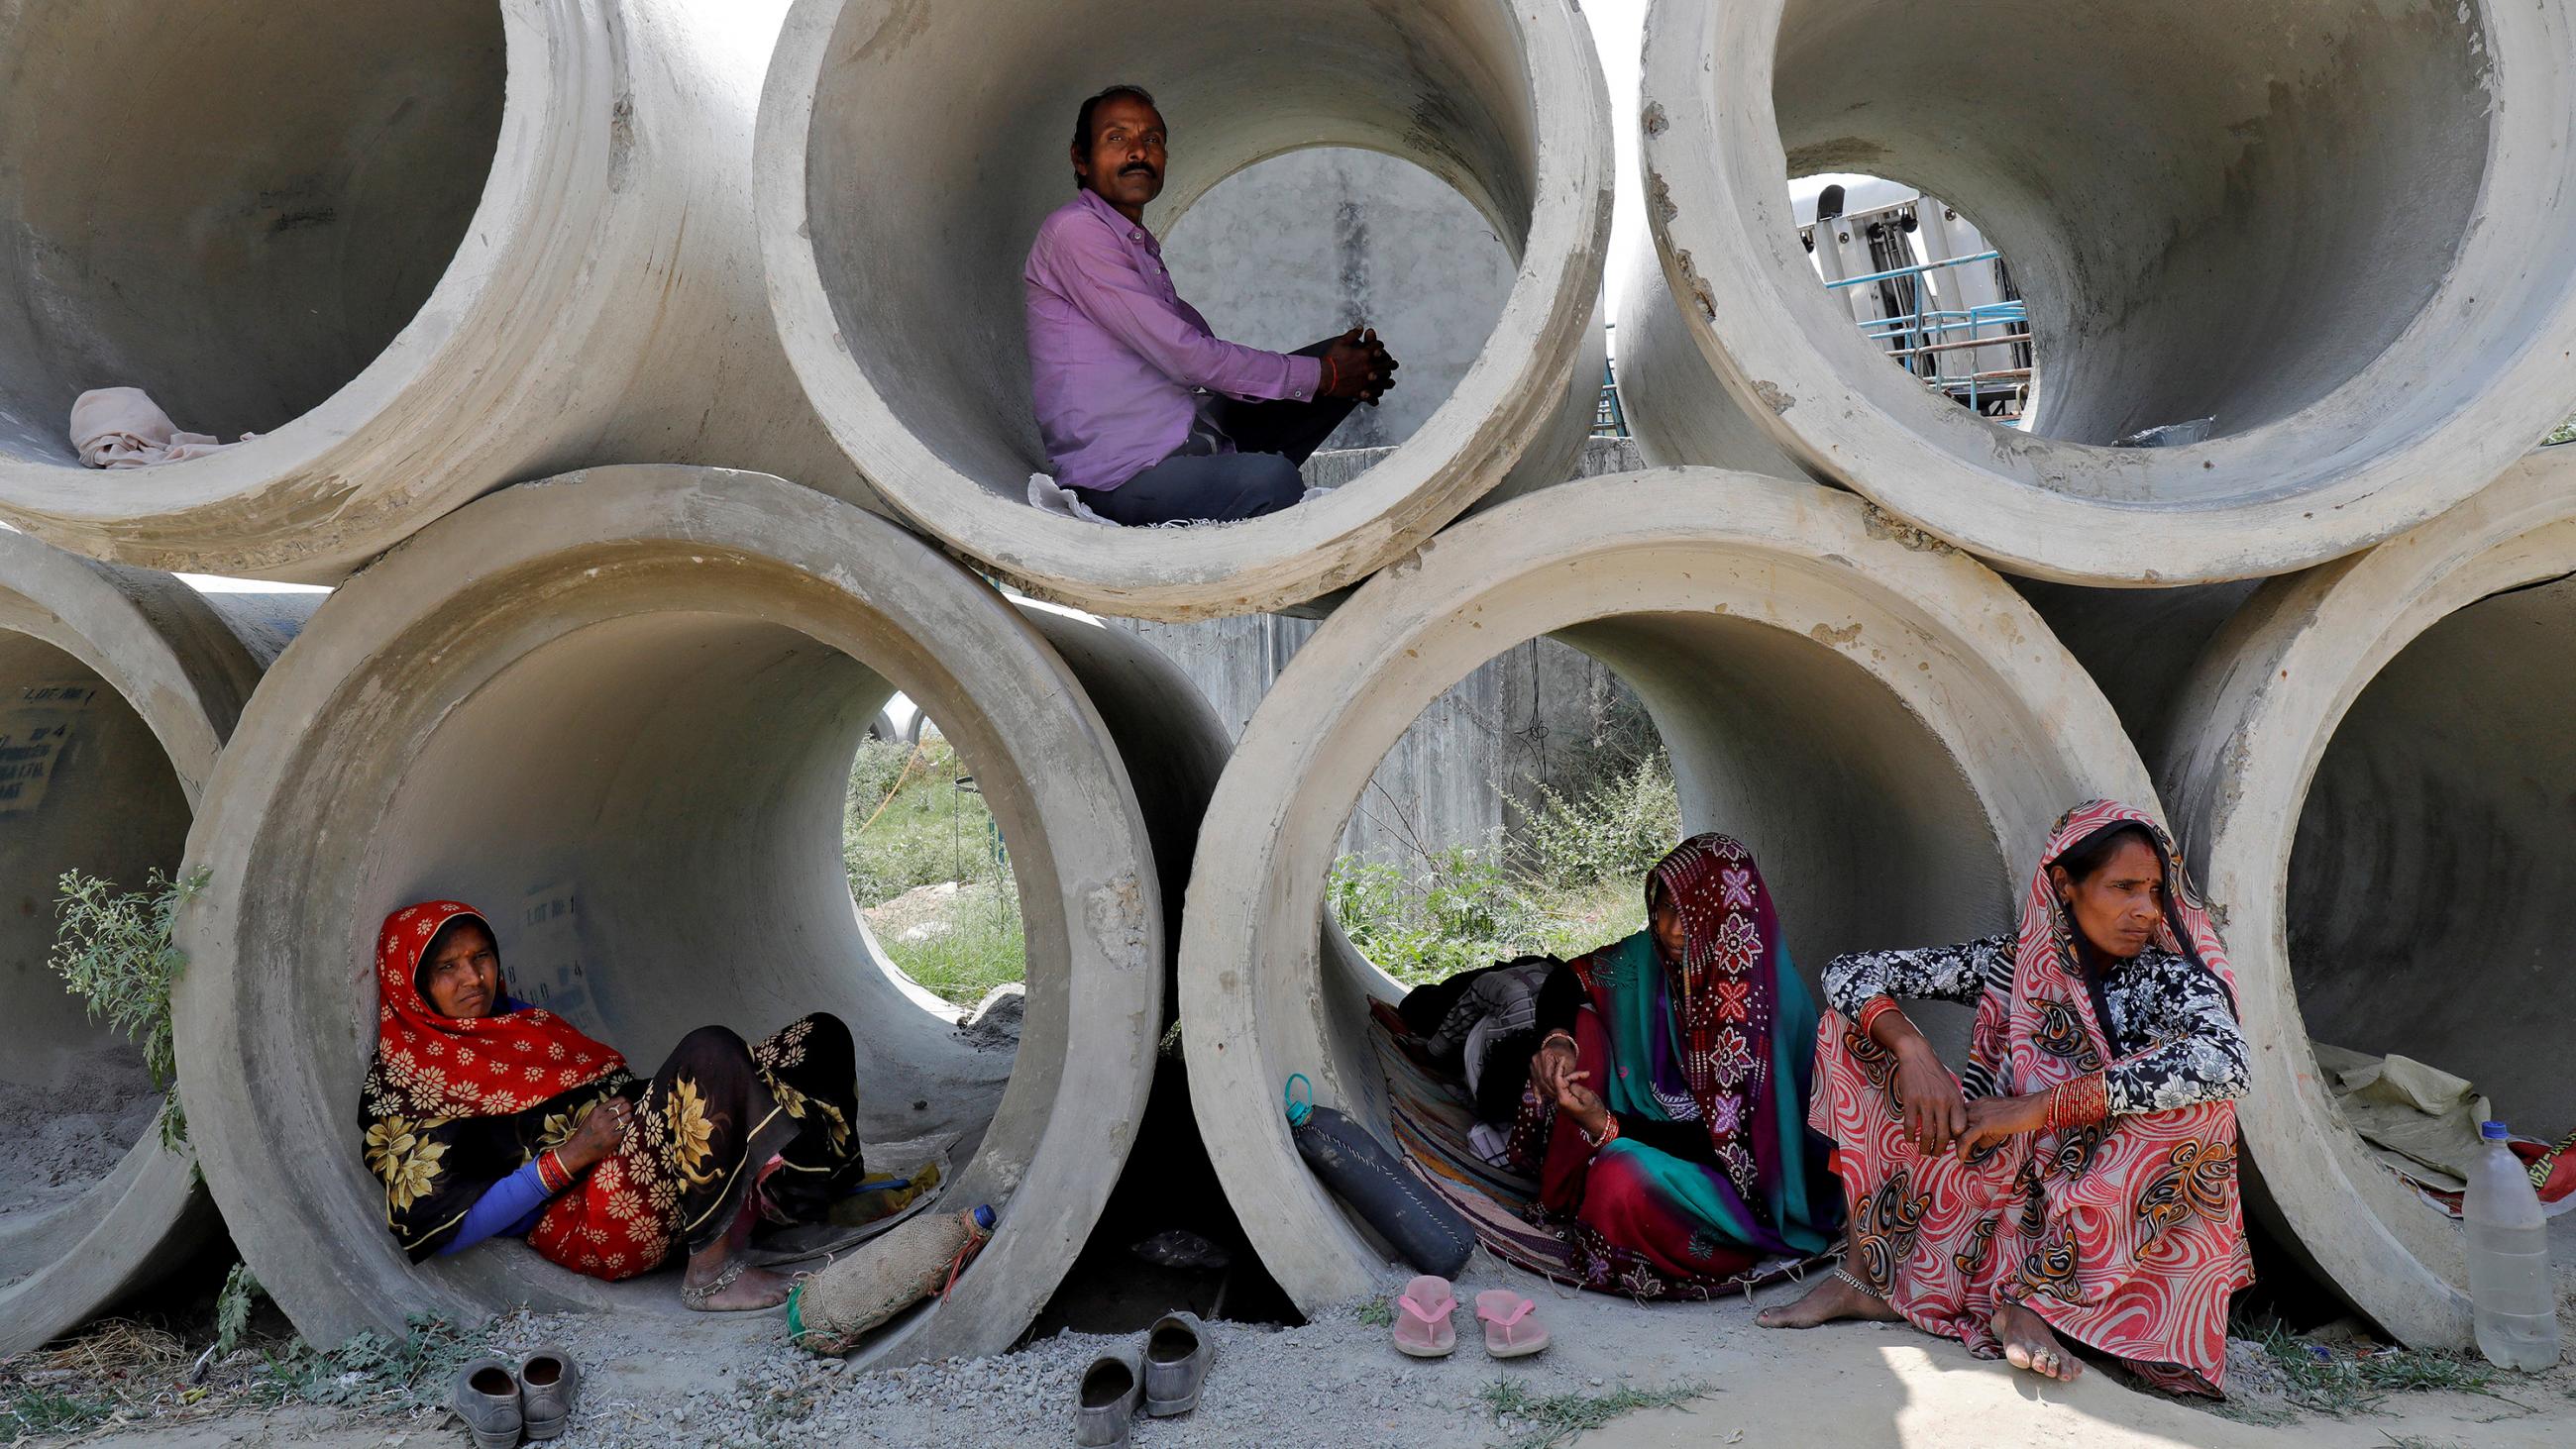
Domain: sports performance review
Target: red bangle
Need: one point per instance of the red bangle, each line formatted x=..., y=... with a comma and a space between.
x=1870, y=1011
x=1332, y=374
x=560, y=1177
x=1608, y=1135
x=2078, y=1102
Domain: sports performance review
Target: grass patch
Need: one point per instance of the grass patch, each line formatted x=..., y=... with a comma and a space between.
x=1544, y=1421
x=48, y=1411
x=121, y=1372
x=1376, y=1313
x=913, y=818
x=983, y=947
x=2341, y=1383
x=411, y=1372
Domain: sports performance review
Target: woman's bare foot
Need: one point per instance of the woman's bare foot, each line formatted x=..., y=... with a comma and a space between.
x=2028, y=1344
x=750, y=1287
x=1831, y=1300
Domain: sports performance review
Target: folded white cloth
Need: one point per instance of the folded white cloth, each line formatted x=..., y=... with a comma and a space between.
x=1491, y=1142
x=122, y=427
x=1047, y=497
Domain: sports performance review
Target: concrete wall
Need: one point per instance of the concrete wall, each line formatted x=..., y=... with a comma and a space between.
x=1302, y=246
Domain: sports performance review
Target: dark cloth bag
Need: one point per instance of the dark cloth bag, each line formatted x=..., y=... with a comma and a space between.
x=1353, y=1166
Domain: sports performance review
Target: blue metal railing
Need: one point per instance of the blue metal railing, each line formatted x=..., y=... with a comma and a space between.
x=1918, y=328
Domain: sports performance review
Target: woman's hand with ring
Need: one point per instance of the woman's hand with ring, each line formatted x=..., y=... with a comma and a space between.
x=597, y=1136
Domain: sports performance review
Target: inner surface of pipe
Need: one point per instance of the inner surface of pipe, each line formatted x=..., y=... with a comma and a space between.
x=650, y=809
x=2220, y=210
x=86, y=786
x=940, y=141
x=2432, y=891
x=233, y=208
x=617, y=711
x=1868, y=832
x=1299, y=247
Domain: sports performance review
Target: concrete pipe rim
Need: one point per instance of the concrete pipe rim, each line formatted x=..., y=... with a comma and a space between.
x=1943, y=651
x=2364, y=449
x=1500, y=409
x=121, y=625
x=2258, y=718
x=614, y=559
x=455, y=317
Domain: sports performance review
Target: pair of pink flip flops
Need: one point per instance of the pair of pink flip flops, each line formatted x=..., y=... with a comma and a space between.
x=1423, y=1328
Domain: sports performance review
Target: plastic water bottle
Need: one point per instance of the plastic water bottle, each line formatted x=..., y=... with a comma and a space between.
x=2509, y=1279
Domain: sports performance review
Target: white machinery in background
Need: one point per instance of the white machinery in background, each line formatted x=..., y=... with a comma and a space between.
x=1924, y=284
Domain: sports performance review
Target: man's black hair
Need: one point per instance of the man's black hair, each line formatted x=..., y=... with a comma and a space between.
x=1082, y=122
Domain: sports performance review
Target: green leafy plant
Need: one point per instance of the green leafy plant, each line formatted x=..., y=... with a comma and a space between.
x=232, y=1308
x=113, y=950
x=1544, y=1421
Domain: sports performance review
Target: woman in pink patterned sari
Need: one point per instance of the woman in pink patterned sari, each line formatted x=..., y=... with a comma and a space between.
x=2079, y=1177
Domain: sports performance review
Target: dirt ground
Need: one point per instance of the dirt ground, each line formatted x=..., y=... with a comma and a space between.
x=66, y=1136
x=688, y=1381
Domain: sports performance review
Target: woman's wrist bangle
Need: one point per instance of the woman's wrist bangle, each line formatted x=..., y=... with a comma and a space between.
x=1870, y=1013
x=1609, y=1133
x=1558, y=1035
x=2078, y=1102
x=552, y=1172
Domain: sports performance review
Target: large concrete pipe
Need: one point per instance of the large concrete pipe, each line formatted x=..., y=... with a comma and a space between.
x=2340, y=228
x=908, y=154
x=424, y=249
x=2374, y=770
x=118, y=689
x=618, y=710
x=1881, y=719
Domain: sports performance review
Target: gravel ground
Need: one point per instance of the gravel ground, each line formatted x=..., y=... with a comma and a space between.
x=673, y=1380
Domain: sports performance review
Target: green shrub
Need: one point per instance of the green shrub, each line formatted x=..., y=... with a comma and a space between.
x=113, y=950
x=1615, y=830
x=1580, y=885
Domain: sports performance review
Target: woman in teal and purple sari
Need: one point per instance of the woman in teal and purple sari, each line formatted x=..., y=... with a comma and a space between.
x=1667, y=1110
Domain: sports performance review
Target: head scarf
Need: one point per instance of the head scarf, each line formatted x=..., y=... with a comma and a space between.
x=1699, y=1038
x=435, y=1065
x=452, y=1104
x=2046, y=1031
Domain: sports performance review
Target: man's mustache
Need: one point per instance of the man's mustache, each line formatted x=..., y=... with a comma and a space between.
x=1136, y=168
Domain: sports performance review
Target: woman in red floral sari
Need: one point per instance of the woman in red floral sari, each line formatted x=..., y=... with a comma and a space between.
x=486, y=1117
x=2079, y=1177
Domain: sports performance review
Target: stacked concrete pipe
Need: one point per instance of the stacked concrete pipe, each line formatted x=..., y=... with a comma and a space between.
x=2372, y=770
x=907, y=154
x=144, y=678
x=424, y=252
x=1881, y=719
x=617, y=710
x=2342, y=230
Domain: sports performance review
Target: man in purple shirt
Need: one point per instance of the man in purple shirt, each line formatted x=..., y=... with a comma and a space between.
x=1146, y=414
